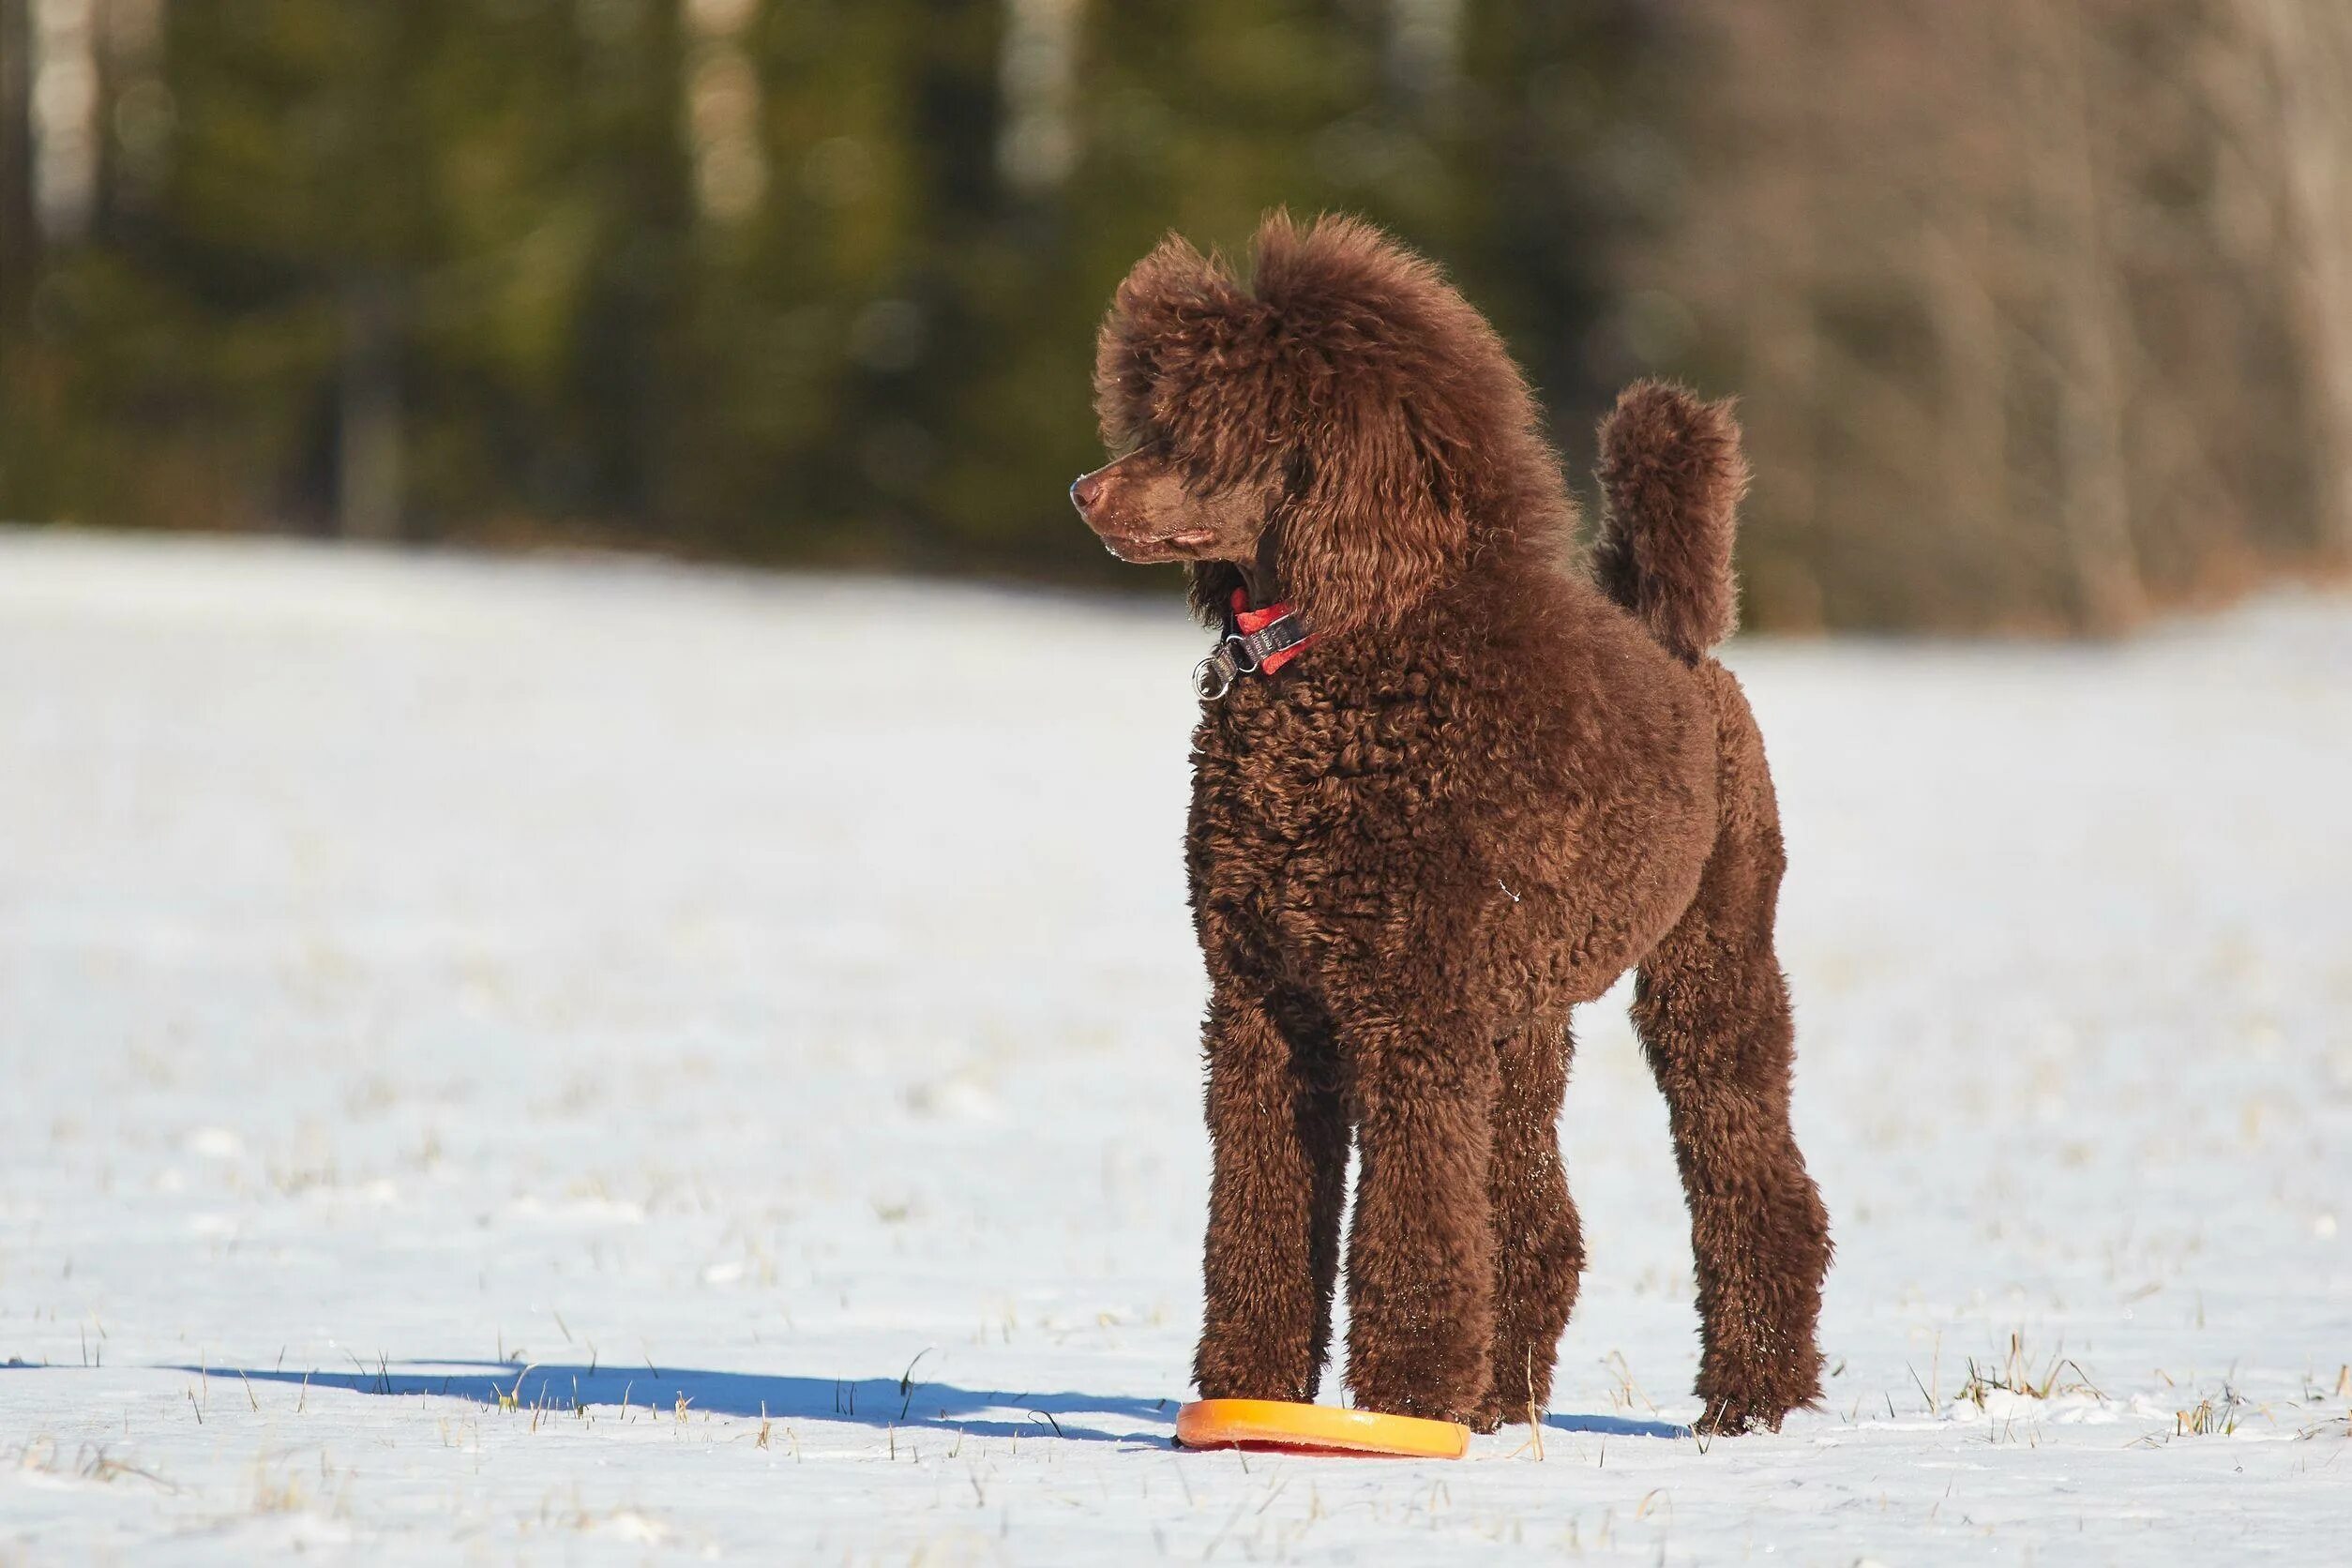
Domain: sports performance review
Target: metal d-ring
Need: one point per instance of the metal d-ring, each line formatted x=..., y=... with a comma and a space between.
x=1213, y=677
x=1235, y=656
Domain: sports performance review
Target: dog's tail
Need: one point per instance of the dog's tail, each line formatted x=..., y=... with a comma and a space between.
x=1671, y=478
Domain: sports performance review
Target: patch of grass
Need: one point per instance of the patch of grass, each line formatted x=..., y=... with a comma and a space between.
x=2015, y=1375
x=91, y=1462
x=1625, y=1392
x=2209, y=1418
x=272, y=1495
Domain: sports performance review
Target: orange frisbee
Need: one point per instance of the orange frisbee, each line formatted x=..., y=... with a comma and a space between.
x=1273, y=1423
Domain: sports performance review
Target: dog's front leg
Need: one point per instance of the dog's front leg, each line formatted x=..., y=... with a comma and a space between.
x=1278, y=1142
x=1421, y=1268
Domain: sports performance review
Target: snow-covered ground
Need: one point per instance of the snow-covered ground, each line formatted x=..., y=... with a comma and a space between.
x=596, y=1061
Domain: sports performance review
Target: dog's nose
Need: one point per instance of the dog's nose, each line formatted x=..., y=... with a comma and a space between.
x=1085, y=490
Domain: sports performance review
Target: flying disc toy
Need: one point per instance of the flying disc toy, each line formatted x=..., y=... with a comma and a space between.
x=1276, y=1423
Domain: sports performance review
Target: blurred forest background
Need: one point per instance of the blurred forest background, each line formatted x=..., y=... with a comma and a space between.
x=2040, y=311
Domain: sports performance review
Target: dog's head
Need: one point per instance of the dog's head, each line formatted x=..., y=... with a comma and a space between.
x=1333, y=415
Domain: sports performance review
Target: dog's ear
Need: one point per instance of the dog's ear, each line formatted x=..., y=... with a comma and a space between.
x=1378, y=521
x=1171, y=312
x=1375, y=517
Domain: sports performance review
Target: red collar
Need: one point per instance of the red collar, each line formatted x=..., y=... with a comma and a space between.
x=1261, y=641
x=1251, y=623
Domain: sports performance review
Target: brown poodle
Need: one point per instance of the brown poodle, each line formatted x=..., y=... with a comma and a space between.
x=1446, y=787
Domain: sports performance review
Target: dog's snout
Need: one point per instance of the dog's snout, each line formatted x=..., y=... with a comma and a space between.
x=1085, y=490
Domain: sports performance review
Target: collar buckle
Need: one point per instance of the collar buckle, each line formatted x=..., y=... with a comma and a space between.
x=1263, y=640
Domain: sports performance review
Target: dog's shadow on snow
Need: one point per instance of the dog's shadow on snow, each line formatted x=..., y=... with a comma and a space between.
x=878, y=1402
x=1615, y=1425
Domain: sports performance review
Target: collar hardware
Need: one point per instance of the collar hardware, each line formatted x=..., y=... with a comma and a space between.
x=1260, y=642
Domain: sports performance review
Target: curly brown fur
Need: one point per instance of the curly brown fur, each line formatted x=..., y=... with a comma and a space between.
x=1671, y=476
x=1485, y=792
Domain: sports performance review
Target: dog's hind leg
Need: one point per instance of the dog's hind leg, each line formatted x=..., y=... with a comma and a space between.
x=1713, y=1010
x=1539, y=1246
x=1279, y=1141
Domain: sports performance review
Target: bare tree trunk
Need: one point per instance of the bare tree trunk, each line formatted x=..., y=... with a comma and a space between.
x=1424, y=46
x=19, y=238
x=1959, y=268
x=1037, y=140
x=369, y=477
x=66, y=106
x=1781, y=237
x=2091, y=332
x=2311, y=51
x=723, y=110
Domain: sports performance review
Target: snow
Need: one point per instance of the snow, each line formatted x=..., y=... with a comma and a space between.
x=591, y=1060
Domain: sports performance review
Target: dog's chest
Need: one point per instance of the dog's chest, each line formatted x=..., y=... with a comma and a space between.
x=1290, y=790
x=1264, y=780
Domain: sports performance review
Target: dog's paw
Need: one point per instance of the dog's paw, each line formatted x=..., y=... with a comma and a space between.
x=1728, y=1419
x=1731, y=1416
